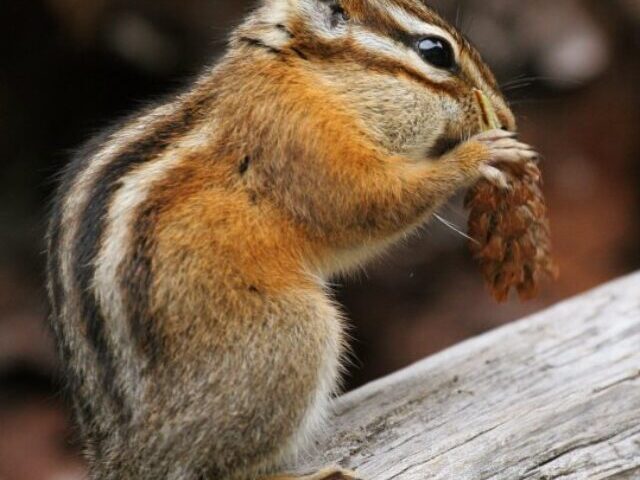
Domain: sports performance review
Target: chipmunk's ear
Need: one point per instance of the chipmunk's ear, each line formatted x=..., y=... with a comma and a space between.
x=331, y=10
x=338, y=15
x=327, y=17
x=320, y=13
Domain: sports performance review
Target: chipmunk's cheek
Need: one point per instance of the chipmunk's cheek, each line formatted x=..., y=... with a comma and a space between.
x=458, y=118
x=444, y=134
x=469, y=115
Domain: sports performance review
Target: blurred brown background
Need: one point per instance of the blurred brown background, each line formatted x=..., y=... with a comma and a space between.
x=68, y=67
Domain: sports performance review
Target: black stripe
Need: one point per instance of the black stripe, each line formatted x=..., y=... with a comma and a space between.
x=254, y=42
x=91, y=230
x=137, y=282
x=298, y=52
x=138, y=274
x=284, y=29
x=244, y=165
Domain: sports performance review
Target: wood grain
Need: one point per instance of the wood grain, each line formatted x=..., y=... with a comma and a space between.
x=554, y=396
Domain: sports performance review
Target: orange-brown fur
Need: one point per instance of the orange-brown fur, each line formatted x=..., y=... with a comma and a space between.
x=189, y=251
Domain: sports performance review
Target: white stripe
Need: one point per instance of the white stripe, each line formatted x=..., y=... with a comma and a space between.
x=119, y=232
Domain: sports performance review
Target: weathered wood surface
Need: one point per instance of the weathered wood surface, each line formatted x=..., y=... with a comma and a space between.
x=555, y=396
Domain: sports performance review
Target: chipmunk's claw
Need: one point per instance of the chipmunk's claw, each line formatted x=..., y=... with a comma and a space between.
x=495, y=176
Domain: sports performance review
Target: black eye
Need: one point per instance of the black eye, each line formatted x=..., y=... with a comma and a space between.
x=438, y=52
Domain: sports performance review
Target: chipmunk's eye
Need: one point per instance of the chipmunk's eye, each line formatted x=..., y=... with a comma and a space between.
x=438, y=52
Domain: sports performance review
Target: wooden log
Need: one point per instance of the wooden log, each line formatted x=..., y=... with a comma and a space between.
x=554, y=396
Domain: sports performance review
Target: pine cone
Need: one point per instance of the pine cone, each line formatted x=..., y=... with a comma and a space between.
x=511, y=233
x=510, y=229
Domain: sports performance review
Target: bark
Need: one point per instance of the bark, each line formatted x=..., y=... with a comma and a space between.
x=554, y=396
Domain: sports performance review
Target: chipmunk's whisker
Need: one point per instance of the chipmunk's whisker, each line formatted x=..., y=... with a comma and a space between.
x=454, y=228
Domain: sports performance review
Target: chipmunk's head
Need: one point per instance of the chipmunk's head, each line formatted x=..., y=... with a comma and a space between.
x=409, y=75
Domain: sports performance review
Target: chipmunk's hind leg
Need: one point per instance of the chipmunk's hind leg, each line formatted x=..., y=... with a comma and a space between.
x=330, y=473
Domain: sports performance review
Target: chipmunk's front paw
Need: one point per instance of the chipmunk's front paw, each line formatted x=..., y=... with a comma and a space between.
x=502, y=148
x=481, y=155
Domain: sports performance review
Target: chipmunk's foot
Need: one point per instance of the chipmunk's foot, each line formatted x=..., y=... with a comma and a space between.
x=335, y=473
x=330, y=473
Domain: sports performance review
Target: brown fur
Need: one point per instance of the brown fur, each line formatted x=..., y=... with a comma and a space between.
x=196, y=330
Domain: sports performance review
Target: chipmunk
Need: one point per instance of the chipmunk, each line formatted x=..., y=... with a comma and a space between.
x=189, y=248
